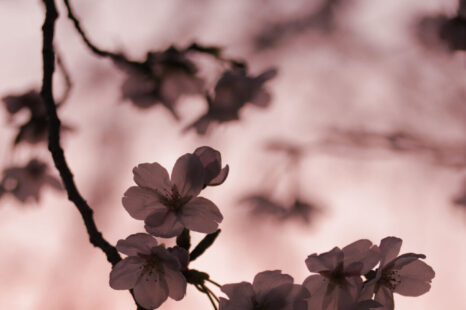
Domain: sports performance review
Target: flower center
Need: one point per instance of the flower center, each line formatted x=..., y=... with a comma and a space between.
x=151, y=266
x=390, y=279
x=173, y=200
x=336, y=276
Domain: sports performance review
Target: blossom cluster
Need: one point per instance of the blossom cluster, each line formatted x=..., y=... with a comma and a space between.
x=359, y=276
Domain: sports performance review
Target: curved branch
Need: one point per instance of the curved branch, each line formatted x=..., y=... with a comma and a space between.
x=48, y=56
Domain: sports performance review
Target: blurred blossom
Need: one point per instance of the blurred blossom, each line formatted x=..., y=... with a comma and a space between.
x=163, y=78
x=168, y=205
x=261, y=205
x=404, y=274
x=322, y=19
x=339, y=283
x=233, y=91
x=211, y=160
x=26, y=182
x=152, y=271
x=270, y=290
x=35, y=129
x=460, y=199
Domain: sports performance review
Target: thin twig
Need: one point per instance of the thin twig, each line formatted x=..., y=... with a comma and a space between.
x=95, y=237
x=99, y=52
x=214, y=283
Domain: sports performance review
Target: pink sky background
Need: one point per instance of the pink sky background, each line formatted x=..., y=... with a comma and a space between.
x=370, y=74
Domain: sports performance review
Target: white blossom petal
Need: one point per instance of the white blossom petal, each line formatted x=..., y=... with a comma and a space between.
x=201, y=215
x=135, y=244
x=163, y=223
x=151, y=291
x=126, y=273
x=176, y=283
x=140, y=202
x=188, y=175
x=415, y=279
x=152, y=176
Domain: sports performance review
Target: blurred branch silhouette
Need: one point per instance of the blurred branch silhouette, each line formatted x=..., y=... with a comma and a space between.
x=95, y=236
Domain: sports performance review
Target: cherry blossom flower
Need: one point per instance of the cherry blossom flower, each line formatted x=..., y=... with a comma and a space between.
x=163, y=78
x=233, y=91
x=150, y=270
x=270, y=290
x=169, y=205
x=338, y=283
x=211, y=160
x=405, y=274
x=26, y=182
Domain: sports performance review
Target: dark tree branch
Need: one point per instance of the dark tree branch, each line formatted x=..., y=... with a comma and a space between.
x=99, y=52
x=95, y=237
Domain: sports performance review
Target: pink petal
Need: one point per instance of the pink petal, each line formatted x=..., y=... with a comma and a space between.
x=136, y=243
x=221, y=177
x=415, y=279
x=316, y=285
x=188, y=175
x=240, y=294
x=361, y=251
x=140, y=202
x=163, y=223
x=385, y=296
x=389, y=249
x=201, y=215
x=152, y=176
x=126, y=273
x=325, y=261
x=151, y=291
x=268, y=280
x=176, y=283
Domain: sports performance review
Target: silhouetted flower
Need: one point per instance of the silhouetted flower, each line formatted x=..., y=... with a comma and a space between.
x=163, y=78
x=168, y=206
x=211, y=160
x=35, y=129
x=404, y=274
x=26, y=182
x=150, y=270
x=270, y=290
x=339, y=280
x=233, y=91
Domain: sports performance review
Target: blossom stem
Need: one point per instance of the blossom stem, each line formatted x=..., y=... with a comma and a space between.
x=211, y=293
x=214, y=283
x=203, y=289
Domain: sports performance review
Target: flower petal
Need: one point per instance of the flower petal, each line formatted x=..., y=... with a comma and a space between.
x=188, y=175
x=135, y=244
x=201, y=215
x=415, y=279
x=221, y=177
x=176, y=283
x=163, y=223
x=151, y=291
x=240, y=294
x=152, y=176
x=385, y=296
x=316, y=285
x=212, y=162
x=126, y=273
x=389, y=249
x=361, y=251
x=324, y=262
x=140, y=202
x=268, y=280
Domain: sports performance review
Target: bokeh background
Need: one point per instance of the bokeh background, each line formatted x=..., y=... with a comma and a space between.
x=367, y=95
